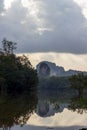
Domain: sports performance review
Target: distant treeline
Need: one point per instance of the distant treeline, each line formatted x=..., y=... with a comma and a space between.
x=75, y=82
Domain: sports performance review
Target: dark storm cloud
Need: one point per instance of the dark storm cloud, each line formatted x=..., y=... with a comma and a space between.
x=59, y=26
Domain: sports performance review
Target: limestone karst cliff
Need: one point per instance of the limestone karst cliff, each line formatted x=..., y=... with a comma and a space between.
x=46, y=69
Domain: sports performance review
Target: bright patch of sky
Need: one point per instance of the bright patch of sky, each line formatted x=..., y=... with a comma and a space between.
x=83, y=5
x=66, y=60
x=7, y=4
x=36, y=10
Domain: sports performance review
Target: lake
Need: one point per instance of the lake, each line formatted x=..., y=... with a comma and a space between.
x=45, y=110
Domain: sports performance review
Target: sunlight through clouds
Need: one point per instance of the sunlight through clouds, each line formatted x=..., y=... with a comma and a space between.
x=7, y=4
x=35, y=10
x=66, y=60
x=83, y=5
x=45, y=25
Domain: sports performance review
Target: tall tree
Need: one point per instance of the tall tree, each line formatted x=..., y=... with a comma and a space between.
x=8, y=46
x=16, y=73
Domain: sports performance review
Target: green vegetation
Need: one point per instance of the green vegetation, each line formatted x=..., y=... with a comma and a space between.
x=79, y=82
x=79, y=105
x=16, y=73
x=73, y=85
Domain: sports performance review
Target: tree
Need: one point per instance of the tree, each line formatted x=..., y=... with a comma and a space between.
x=16, y=73
x=8, y=46
x=79, y=82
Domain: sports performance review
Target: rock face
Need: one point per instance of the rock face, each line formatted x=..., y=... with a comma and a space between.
x=46, y=69
x=45, y=109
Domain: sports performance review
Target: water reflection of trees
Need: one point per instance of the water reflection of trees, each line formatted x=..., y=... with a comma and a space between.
x=79, y=105
x=79, y=83
x=16, y=110
x=58, y=101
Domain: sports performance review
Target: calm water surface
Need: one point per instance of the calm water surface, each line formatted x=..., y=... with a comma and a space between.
x=45, y=111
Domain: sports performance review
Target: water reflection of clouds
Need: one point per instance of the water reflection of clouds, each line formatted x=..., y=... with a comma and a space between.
x=65, y=119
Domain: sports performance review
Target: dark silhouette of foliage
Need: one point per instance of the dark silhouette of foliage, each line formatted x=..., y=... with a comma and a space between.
x=8, y=46
x=78, y=104
x=79, y=82
x=17, y=109
x=16, y=73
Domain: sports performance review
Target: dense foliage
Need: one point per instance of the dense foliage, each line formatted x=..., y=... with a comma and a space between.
x=79, y=105
x=75, y=84
x=79, y=82
x=16, y=73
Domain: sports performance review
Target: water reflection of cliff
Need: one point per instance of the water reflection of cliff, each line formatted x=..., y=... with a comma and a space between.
x=16, y=110
x=45, y=109
x=49, y=105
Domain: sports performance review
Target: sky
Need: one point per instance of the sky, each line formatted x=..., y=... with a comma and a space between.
x=53, y=30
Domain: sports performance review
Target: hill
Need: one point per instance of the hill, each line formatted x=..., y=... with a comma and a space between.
x=46, y=69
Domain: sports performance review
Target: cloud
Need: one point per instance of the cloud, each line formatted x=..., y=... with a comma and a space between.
x=83, y=5
x=66, y=60
x=45, y=26
x=1, y=6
